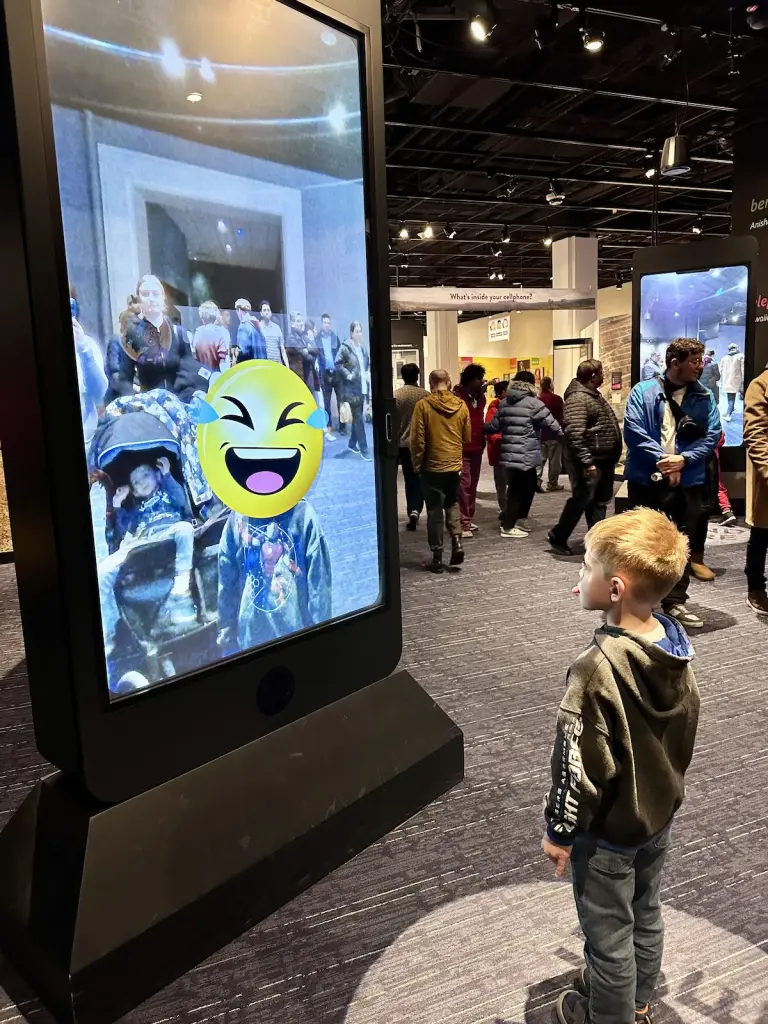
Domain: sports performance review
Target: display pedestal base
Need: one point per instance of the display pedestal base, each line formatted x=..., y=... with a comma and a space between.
x=100, y=907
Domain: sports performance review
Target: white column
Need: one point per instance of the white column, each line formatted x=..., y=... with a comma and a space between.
x=574, y=265
x=442, y=343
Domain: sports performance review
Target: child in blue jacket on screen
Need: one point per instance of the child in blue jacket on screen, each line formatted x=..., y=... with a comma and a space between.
x=274, y=578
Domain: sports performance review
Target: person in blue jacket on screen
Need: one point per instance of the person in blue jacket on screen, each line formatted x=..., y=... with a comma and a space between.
x=671, y=429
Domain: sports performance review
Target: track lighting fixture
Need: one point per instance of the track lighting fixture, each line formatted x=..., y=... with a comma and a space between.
x=555, y=196
x=427, y=231
x=500, y=275
x=698, y=226
x=547, y=241
x=619, y=281
x=592, y=39
x=483, y=23
x=757, y=16
x=492, y=275
x=404, y=233
x=651, y=163
x=450, y=231
x=506, y=235
x=496, y=251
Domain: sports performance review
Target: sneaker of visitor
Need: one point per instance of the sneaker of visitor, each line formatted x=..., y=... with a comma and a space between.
x=515, y=533
x=557, y=547
x=329, y=436
x=581, y=985
x=757, y=601
x=727, y=519
x=366, y=456
x=702, y=572
x=467, y=535
x=457, y=552
x=413, y=522
x=688, y=619
x=572, y=1008
x=474, y=528
x=525, y=525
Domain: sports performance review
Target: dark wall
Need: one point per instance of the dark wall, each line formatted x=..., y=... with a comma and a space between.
x=750, y=215
x=225, y=285
x=168, y=251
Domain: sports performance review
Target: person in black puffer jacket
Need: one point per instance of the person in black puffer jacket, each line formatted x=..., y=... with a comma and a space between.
x=519, y=420
x=592, y=449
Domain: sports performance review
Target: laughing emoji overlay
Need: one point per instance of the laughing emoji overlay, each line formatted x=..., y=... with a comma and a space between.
x=260, y=438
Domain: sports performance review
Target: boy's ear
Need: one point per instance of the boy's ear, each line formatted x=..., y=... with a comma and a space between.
x=618, y=589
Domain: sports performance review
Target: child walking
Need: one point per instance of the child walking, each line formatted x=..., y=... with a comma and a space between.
x=625, y=736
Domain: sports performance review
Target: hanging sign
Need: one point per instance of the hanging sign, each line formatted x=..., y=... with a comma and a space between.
x=498, y=328
x=488, y=299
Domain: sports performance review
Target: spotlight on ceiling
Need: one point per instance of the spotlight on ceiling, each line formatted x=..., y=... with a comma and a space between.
x=450, y=231
x=496, y=251
x=482, y=24
x=757, y=16
x=676, y=158
x=404, y=232
x=619, y=281
x=506, y=235
x=492, y=275
x=555, y=196
x=698, y=226
x=594, y=40
x=651, y=163
x=501, y=275
x=427, y=231
x=547, y=241
x=546, y=27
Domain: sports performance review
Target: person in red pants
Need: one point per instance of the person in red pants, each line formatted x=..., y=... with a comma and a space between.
x=472, y=390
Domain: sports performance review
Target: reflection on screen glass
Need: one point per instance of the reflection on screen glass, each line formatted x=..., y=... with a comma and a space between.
x=710, y=306
x=210, y=162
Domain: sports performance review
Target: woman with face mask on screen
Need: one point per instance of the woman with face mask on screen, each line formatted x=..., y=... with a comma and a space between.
x=151, y=340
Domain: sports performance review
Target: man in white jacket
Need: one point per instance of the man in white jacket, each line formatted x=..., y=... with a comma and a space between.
x=732, y=377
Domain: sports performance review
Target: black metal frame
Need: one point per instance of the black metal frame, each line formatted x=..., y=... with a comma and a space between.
x=696, y=256
x=127, y=747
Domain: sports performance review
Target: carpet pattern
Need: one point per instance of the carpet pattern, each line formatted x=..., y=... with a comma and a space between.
x=455, y=917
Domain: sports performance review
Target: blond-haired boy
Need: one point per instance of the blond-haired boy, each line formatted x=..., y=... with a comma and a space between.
x=625, y=736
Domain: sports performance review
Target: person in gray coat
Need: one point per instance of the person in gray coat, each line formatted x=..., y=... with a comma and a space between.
x=519, y=420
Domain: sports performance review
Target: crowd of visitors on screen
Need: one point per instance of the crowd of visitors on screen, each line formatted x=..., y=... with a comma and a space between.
x=671, y=440
x=154, y=351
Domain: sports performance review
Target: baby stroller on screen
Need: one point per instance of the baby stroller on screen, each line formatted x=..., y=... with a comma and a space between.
x=159, y=583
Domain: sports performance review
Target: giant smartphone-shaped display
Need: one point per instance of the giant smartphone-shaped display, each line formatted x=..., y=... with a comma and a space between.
x=703, y=291
x=212, y=182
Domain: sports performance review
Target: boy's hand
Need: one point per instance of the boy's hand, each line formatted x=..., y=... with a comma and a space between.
x=120, y=495
x=164, y=465
x=558, y=855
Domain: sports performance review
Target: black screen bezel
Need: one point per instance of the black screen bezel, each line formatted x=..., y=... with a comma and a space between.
x=694, y=257
x=122, y=748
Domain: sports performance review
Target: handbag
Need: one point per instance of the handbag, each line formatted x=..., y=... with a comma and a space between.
x=345, y=413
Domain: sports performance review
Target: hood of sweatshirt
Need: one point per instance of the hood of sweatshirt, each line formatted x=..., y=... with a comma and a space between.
x=518, y=390
x=653, y=673
x=445, y=402
x=576, y=385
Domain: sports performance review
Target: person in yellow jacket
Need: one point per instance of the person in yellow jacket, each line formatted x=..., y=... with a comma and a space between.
x=756, y=440
x=439, y=430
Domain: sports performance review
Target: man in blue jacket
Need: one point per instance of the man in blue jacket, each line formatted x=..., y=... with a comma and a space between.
x=671, y=428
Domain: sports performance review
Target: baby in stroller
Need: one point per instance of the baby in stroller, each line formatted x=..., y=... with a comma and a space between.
x=151, y=507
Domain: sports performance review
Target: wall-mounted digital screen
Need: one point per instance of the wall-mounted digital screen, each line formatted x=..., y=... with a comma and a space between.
x=710, y=306
x=211, y=172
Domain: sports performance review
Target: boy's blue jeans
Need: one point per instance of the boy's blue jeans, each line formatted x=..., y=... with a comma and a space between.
x=619, y=906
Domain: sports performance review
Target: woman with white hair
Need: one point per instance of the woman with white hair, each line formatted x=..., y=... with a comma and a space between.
x=211, y=342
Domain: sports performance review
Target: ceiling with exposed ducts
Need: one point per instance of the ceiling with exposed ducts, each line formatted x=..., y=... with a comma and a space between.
x=479, y=134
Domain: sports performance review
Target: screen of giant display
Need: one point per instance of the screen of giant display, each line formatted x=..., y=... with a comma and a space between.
x=211, y=174
x=711, y=307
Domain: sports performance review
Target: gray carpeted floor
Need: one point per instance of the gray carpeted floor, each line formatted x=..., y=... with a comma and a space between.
x=454, y=917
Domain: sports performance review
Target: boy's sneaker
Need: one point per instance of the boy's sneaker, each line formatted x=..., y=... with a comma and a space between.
x=515, y=533
x=572, y=1008
x=680, y=614
x=581, y=985
x=757, y=601
x=728, y=519
x=557, y=546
